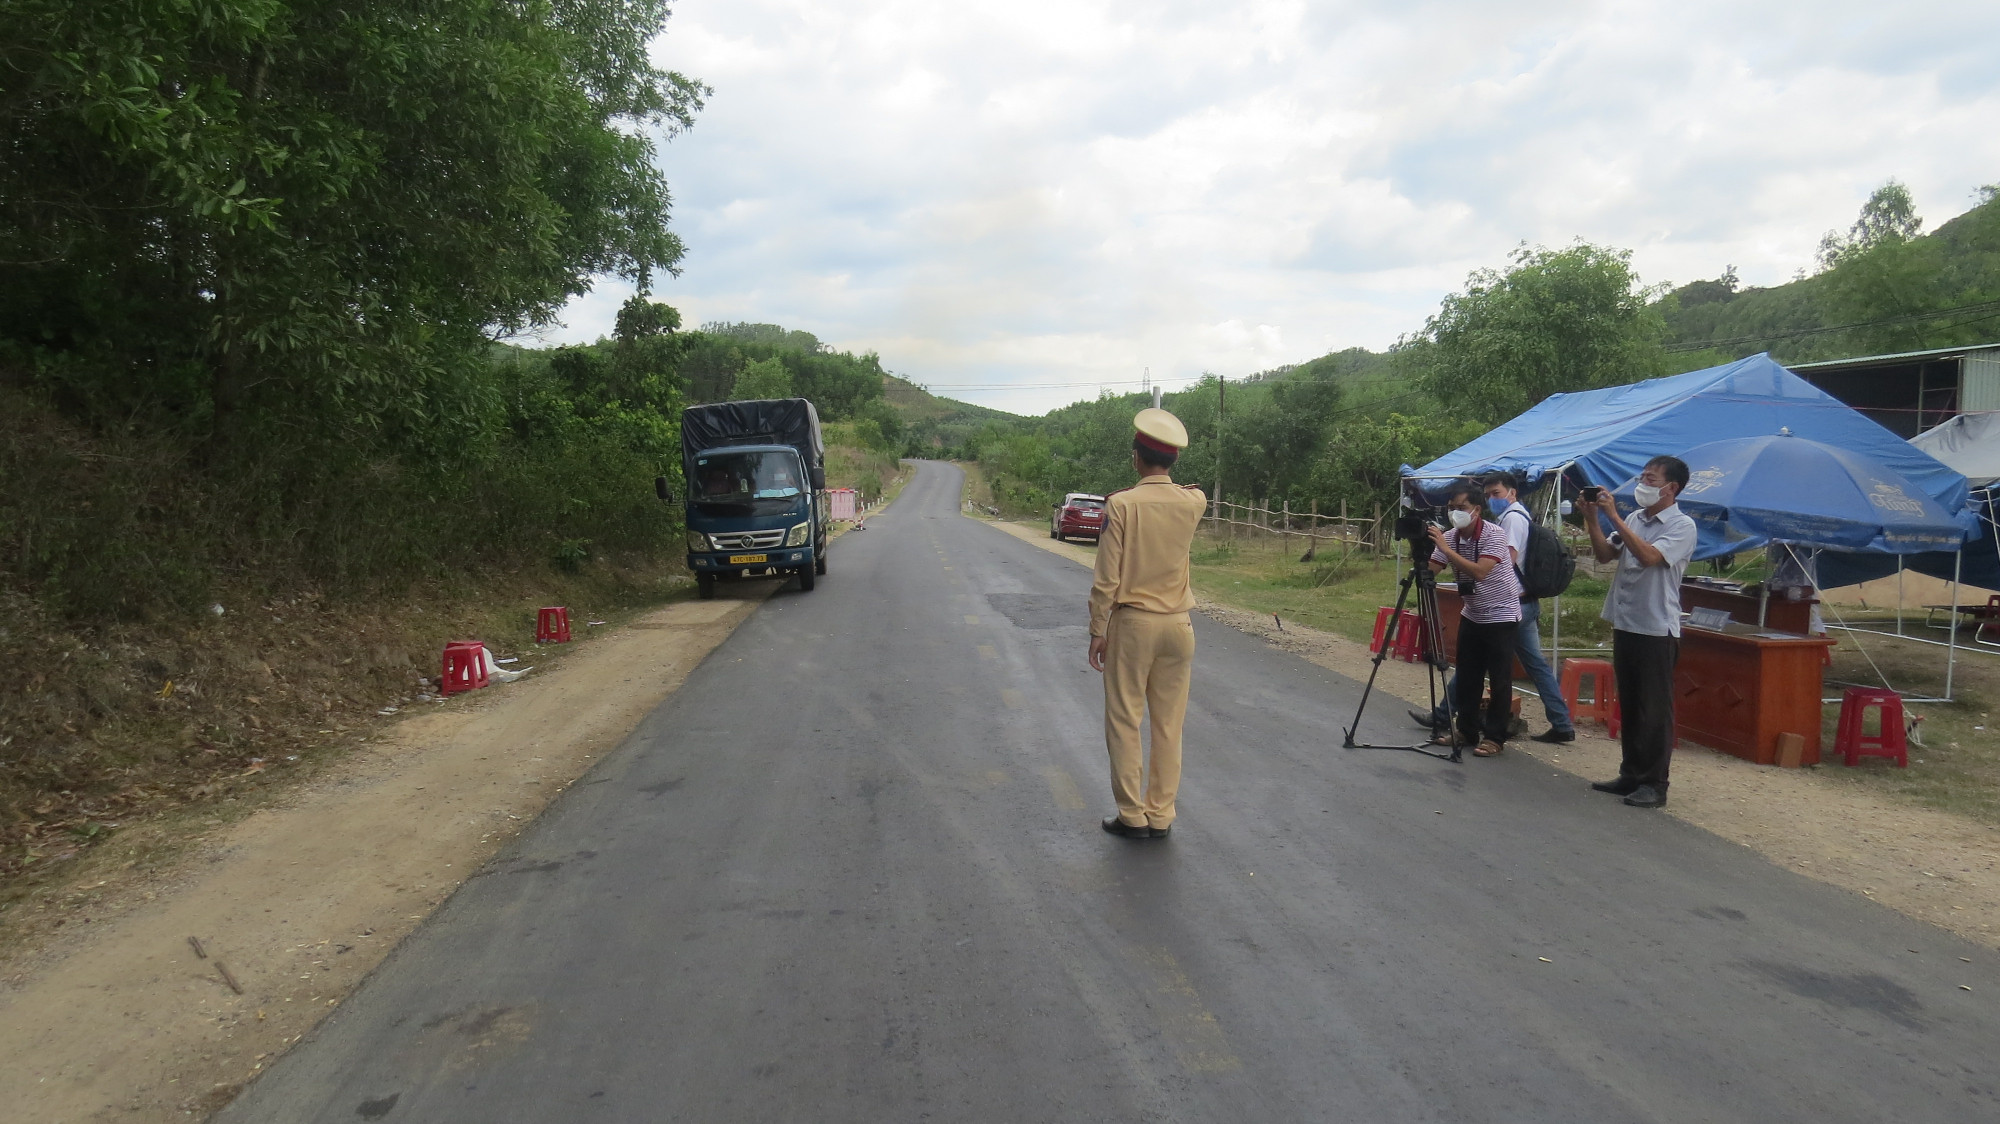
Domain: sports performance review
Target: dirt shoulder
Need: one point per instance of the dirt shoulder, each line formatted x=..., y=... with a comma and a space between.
x=304, y=897
x=1931, y=865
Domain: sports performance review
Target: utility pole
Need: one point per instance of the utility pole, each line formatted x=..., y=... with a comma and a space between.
x=1221, y=394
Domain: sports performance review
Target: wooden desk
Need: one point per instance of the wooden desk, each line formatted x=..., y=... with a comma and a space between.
x=1738, y=689
x=1780, y=614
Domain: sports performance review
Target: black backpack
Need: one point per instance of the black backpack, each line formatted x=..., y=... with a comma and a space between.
x=1549, y=566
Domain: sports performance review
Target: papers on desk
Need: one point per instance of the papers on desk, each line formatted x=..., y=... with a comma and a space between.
x=1714, y=620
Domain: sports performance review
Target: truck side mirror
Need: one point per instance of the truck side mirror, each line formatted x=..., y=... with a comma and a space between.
x=819, y=478
x=660, y=486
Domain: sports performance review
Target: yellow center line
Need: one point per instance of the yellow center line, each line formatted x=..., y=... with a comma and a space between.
x=970, y=619
x=1010, y=696
x=1062, y=786
x=988, y=652
x=1197, y=1038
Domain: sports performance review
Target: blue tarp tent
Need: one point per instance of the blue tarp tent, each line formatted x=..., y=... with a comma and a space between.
x=1606, y=436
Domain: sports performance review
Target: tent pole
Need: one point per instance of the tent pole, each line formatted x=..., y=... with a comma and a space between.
x=1951, y=662
x=1899, y=595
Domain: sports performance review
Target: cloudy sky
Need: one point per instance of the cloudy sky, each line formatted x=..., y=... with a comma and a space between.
x=1018, y=203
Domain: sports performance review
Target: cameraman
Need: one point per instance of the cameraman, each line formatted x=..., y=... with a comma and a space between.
x=1503, y=503
x=1477, y=551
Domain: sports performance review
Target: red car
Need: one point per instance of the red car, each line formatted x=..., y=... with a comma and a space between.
x=1080, y=514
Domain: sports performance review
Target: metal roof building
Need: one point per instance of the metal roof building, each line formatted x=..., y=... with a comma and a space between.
x=1914, y=390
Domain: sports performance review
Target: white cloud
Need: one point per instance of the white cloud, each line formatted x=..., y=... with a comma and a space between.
x=1036, y=193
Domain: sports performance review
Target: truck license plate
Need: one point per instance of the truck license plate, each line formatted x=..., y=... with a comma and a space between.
x=740, y=559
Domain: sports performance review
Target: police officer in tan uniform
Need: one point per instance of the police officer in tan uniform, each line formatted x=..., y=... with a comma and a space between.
x=1140, y=634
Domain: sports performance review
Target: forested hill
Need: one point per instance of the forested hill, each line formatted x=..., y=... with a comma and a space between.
x=1883, y=286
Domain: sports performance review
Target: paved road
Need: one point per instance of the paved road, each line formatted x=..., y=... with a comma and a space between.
x=852, y=872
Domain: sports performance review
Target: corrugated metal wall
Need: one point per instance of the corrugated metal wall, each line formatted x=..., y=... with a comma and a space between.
x=1979, y=382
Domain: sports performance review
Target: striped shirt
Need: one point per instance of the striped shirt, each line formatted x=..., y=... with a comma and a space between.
x=1498, y=595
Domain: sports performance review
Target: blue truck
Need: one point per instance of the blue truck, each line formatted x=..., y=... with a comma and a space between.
x=756, y=491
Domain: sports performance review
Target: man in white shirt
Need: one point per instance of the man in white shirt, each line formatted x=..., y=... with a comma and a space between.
x=1652, y=550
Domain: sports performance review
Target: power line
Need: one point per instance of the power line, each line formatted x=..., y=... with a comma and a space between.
x=1057, y=385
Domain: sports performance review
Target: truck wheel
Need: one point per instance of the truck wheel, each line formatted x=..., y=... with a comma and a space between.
x=704, y=585
x=806, y=579
x=1059, y=537
x=819, y=563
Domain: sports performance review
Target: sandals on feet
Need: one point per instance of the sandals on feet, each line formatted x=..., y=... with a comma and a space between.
x=1488, y=749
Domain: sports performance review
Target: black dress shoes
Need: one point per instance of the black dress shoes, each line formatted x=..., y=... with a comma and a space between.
x=1426, y=721
x=1555, y=736
x=1161, y=832
x=1623, y=786
x=1116, y=826
x=1646, y=796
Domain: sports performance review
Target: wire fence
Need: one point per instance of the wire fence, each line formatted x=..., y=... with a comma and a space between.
x=1351, y=534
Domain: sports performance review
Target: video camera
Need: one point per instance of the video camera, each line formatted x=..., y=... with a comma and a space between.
x=1414, y=524
x=1416, y=517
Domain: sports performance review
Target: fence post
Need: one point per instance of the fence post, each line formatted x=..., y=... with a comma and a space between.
x=1375, y=531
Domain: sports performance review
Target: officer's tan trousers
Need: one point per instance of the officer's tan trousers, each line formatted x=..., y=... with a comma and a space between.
x=1147, y=661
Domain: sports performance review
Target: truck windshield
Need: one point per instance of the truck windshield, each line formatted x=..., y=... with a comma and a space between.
x=748, y=483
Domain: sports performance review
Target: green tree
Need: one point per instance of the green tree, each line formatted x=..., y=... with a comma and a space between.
x=312, y=215
x=765, y=378
x=1557, y=320
x=1889, y=217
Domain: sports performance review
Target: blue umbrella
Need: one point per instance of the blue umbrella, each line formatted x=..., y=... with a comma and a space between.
x=1791, y=489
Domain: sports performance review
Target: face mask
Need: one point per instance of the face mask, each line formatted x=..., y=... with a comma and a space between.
x=1646, y=494
x=1496, y=504
x=1460, y=520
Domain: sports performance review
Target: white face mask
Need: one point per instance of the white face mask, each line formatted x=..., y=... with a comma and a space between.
x=1646, y=494
x=1460, y=520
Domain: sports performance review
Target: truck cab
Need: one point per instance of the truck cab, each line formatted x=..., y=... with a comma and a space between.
x=756, y=492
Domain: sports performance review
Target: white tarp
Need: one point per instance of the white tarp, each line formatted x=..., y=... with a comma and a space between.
x=1968, y=444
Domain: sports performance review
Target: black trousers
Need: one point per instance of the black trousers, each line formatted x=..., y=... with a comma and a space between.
x=1644, y=668
x=1485, y=655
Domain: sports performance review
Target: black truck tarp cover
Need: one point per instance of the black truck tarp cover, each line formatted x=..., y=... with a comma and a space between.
x=763, y=421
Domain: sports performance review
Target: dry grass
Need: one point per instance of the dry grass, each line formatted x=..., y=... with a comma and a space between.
x=106, y=729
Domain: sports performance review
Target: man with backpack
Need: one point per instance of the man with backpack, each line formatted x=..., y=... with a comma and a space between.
x=1544, y=566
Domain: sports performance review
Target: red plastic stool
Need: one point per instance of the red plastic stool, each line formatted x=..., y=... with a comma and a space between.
x=1382, y=616
x=464, y=667
x=1852, y=741
x=1410, y=644
x=552, y=625
x=1603, y=691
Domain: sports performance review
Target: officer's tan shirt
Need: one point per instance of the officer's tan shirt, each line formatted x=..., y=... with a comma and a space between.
x=1142, y=554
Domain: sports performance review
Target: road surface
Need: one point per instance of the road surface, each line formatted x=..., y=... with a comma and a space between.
x=852, y=871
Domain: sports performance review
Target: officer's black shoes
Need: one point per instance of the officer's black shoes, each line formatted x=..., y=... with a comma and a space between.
x=1423, y=719
x=1555, y=736
x=1646, y=796
x=1162, y=832
x=1623, y=786
x=1116, y=826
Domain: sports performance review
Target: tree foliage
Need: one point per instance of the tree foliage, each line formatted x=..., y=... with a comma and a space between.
x=297, y=210
x=764, y=378
x=1557, y=320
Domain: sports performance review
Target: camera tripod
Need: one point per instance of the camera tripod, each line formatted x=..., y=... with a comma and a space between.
x=1424, y=583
